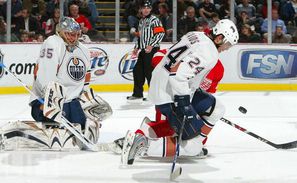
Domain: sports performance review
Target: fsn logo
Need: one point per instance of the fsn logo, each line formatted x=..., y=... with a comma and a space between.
x=1, y=63
x=126, y=65
x=269, y=64
x=99, y=61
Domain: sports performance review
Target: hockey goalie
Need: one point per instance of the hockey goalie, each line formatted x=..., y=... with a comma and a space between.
x=60, y=90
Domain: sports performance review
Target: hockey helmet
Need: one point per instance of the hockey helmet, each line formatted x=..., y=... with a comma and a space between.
x=228, y=29
x=69, y=30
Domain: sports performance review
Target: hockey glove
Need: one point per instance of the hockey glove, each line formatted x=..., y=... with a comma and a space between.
x=183, y=104
x=95, y=108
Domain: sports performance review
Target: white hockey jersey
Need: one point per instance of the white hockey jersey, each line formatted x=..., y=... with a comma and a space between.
x=183, y=68
x=55, y=63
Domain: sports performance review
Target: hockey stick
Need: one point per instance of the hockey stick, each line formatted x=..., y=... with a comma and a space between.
x=89, y=145
x=177, y=170
x=289, y=145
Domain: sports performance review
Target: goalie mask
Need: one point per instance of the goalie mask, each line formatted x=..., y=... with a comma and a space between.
x=69, y=30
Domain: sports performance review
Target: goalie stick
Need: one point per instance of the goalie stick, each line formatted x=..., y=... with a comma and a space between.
x=289, y=145
x=177, y=170
x=89, y=145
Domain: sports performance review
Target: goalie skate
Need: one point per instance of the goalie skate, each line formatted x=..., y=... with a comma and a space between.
x=134, y=145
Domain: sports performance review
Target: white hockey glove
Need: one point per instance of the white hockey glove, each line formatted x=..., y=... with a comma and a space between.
x=53, y=101
x=95, y=108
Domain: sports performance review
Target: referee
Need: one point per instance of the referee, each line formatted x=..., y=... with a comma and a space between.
x=151, y=33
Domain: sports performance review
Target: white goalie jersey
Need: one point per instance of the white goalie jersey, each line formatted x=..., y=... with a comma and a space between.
x=55, y=63
x=183, y=68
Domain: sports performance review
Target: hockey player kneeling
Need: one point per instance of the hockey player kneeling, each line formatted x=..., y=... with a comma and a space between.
x=49, y=134
x=61, y=78
x=191, y=113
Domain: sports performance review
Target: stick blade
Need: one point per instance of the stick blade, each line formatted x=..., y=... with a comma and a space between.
x=176, y=173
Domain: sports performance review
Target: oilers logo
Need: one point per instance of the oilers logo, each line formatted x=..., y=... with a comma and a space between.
x=76, y=69
x=126, y=65
x=99, y=61
x=1, y=62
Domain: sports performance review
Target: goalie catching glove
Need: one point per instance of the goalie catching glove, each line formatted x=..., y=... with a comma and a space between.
x=53, y=101
x=95, y=108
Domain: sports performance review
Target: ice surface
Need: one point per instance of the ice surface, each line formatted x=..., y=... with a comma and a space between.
x=234, y=156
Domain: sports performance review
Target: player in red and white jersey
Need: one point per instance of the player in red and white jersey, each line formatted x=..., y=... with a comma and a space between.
x=175, y=91
x=208, y=84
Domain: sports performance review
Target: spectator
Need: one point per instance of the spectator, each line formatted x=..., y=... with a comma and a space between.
x=289, y=12
x=155, y=9
x=279, y=36
x=27, y=23
x=206, y=9
x=248, y=35
x=243, y=19
x=248, y=8
x=166, y=20
x=181, y=8
x=294, y=37
x=94, y=13
x=133, y=19
x=88, y=9
x=37, y=9
x=275, y=21
x=224, y=10
x=213, y=20
x=25, y=38
x=50, y=28
x=39, y=38
x=275, y=5
x=51, y=5
x=202, y=26
x=187, y=23
x=16, y=9
x=79, y=18
x=3, y=36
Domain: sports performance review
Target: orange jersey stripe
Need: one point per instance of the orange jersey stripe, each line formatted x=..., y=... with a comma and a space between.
x=157, y=30
x=205, y=129
x=170, y=146
x=35, y=71
x=88, y=77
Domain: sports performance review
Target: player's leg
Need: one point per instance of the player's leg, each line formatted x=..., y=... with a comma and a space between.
x=37, y=112
x=136, y=144
x=209, y=108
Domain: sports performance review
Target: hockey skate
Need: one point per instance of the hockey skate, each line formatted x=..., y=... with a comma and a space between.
x=203, y=154
x=134, y=100
x=134, y=145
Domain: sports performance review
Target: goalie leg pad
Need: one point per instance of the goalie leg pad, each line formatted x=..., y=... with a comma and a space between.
x=53, y=101
x=36, y=135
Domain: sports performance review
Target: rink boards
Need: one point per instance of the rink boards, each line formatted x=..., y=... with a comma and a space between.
x=252, y=67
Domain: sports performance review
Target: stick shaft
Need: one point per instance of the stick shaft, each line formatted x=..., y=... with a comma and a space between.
x=289, y=145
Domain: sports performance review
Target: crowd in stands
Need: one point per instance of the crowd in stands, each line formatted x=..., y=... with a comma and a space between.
x=202, y=15
x=34, y=20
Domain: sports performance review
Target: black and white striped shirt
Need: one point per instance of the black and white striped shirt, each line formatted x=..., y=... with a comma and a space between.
x=151, y=32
